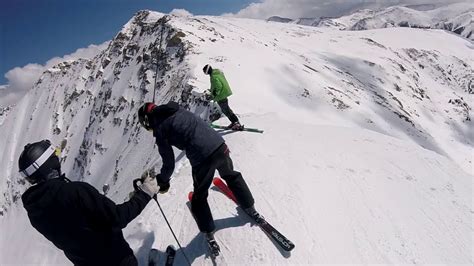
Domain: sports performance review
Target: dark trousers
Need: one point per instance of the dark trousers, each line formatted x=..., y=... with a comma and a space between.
x=203, y=175
x=129, y=261
x=224, y=105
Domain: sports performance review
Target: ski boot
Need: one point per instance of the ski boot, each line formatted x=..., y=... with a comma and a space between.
x=153, y=257
x=213, y=246
x=255, y=215
x=235, y=126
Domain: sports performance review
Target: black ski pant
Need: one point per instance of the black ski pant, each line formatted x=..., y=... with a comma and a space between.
x=129, y=261
x=224, y=105
x=202, y=177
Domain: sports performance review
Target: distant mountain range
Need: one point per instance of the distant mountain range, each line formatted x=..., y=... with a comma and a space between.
x=457, y=18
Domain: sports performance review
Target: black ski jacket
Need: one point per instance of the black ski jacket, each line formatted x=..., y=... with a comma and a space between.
x=83, y=223
x=175, y=126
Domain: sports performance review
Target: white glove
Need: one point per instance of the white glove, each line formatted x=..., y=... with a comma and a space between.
x=150, y=186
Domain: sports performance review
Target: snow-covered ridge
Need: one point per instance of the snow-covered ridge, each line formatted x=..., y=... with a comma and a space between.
x=366, y=155
x=457, y=18
x=279, y=19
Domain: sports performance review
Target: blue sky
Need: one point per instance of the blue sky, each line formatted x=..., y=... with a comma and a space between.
x=34, y=31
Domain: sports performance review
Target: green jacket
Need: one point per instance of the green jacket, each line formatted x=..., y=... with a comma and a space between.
x=220, y=89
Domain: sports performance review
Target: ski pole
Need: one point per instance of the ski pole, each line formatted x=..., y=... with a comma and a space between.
x=171, y=229
x=136, y=187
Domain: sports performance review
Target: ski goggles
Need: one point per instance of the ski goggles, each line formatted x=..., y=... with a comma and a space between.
x=30, y=170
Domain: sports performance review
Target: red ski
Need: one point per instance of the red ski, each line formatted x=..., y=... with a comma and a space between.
x=219, y=183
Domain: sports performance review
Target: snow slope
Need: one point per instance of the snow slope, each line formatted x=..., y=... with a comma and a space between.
x=366, y=155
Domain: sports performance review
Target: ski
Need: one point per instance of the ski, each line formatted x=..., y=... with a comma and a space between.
x=170, y=254
x=274, y=234
x=219, y=183
x=256, y=130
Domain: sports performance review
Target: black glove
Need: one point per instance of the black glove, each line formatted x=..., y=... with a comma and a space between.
x=208, y=96
x=164, y=187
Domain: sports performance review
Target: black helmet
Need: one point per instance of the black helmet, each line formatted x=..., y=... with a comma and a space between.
x=144, y=113
x=207, y=69
x=39, y=161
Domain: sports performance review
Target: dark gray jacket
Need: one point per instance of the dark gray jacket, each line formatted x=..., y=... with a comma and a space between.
x=175, y=126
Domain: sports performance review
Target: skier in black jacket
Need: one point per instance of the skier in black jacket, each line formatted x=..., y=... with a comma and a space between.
x=79, y=220
x=205, y=149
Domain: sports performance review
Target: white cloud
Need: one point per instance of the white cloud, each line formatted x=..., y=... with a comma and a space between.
x=322, y=8
x=21, y=79
x=181, y=13
x=87, y=53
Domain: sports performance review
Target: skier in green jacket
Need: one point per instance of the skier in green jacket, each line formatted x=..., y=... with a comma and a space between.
x=220, y=91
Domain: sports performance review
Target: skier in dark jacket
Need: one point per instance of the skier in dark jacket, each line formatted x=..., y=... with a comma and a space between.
x=205, y=149
x=79, y=220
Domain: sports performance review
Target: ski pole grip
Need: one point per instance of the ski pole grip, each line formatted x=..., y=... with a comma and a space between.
x=136, y=184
